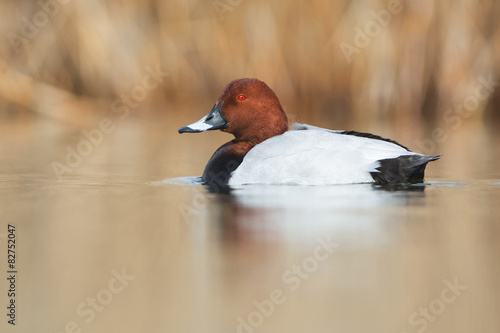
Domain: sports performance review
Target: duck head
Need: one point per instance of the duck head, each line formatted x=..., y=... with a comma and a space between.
x=248, y=109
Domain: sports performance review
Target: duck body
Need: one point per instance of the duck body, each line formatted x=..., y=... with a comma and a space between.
x=266, y=150
x=315, y=156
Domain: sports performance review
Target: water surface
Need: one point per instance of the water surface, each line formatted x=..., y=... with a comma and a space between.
x=347, y=258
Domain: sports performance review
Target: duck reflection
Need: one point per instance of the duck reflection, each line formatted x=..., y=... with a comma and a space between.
x=269, y=213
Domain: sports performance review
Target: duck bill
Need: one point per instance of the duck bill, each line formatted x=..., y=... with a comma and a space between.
x=212, y=121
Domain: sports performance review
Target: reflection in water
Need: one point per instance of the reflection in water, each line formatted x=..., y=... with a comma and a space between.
x=263, y=213
x=392, y=246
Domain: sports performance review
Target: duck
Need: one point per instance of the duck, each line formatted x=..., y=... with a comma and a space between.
x=267, y=150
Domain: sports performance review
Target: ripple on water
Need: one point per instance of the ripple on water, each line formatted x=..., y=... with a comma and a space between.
x=179, y=181
x=447, y=184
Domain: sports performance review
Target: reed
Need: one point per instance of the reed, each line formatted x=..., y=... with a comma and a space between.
x=429, y=57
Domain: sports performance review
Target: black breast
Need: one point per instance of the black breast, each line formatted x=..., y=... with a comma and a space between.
x=219, y=168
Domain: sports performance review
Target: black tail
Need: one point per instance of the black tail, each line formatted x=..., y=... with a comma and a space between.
x=406, y=168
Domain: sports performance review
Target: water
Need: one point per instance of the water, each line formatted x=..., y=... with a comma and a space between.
x=130, y=242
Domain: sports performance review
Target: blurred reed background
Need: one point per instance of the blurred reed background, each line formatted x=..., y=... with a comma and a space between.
x=70, y=58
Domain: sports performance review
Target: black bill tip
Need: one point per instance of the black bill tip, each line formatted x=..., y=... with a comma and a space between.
x=187, y=129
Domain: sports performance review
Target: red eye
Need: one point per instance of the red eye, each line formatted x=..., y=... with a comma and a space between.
x=241, y=97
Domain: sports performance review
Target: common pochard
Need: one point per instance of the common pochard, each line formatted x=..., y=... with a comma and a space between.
x=266, y=150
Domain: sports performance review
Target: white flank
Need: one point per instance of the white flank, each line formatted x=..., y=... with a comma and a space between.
x=314, y=156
